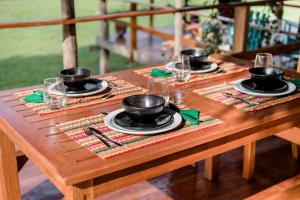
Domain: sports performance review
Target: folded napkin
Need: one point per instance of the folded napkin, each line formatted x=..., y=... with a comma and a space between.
x=296, y=82
x=160, y=73
x=35, y=97
x=191, y=116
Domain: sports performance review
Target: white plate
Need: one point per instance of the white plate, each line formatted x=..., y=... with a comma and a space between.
x=238, y=86
x=108, y=121
x=212, y=67
x=104, y=86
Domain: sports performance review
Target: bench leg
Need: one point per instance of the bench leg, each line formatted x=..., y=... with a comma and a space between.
x=9, y=177
x=249, y=160
x=295, y=151
x=211, y=168
x=83, y=191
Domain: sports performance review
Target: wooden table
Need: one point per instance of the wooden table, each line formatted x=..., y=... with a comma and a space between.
x=78, y=173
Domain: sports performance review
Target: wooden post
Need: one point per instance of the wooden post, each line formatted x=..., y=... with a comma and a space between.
x=211, y=168
x=151, y=22
x=178, y=29
x=69, y=35
x=9, y=177
x=249, y=160
x=298, y=67
x=104, y=36
x=241, y=26
x=133, y=33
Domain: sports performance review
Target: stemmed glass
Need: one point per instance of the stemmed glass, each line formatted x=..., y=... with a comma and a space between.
x=181, y=68
x=263, y=60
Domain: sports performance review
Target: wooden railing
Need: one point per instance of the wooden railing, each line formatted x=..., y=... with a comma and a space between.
x=69, y=20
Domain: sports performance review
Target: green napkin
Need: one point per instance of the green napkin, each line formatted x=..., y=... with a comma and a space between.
x=160, y=73
x=191, y=116
x=35, y=97
x=296, y=82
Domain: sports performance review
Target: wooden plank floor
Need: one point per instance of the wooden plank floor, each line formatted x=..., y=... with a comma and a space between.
x=274, y=164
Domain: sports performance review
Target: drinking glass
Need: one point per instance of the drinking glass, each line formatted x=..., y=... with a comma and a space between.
x=263, y=60
x=181, y=68
x=158, y=86
x=54, y=93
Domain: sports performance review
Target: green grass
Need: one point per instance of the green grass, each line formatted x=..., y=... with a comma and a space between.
x=29, y=55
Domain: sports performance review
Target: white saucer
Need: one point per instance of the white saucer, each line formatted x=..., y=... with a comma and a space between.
x=238, y=86
x=108, y=121
x=212, y=67
x=103, y=86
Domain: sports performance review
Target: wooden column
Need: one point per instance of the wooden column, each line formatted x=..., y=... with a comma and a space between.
x=178, y=29
x=133, y=33
x=151, y=22
x=241, y=26
x=9, y=177
x=69, y=35
x=211, y=168
x=298, y=67
x=104, y=36
x=249, y=160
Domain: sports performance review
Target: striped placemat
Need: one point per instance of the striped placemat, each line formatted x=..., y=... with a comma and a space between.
x=217, y=93
x=74, y=130
x=229, y=67
x=124, y=89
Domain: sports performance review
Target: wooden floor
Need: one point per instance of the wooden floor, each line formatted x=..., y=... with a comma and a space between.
x=274, y=164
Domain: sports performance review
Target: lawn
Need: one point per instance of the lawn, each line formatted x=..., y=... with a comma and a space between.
x=29, y=55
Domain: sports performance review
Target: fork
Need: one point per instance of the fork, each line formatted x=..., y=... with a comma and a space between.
x=90, y=133
x=241, y=99
x=96, y=131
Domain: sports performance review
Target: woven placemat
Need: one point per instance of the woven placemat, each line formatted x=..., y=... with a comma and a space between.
x=229, y=67
x=124, y=89
x=217, y=93
x=74, y=130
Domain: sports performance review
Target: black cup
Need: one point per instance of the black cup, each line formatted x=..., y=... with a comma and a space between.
x=197, y=57
x=75, y=77
x=266, y=77
x=143, y=108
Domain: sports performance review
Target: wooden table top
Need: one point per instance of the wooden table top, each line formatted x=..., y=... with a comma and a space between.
x=69, y=163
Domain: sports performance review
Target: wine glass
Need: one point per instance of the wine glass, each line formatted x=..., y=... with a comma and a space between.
x=181, y=68
x=263, y=60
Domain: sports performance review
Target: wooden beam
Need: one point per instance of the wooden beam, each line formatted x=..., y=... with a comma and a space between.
x=133, y=33
x=241, y=25
x=69, y=45
x=178, y=23
x=128, y=14
x=104, y=35
x=275, y=50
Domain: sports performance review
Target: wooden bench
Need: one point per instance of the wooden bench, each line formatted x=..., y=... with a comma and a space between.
x=288, y=189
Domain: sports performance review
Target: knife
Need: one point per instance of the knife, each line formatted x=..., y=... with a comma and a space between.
x=101, y=134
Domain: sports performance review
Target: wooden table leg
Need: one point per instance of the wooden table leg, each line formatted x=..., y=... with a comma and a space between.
x=82, y=191
x=249, y=160
x=211, y=168
x=9, y=177
x=295, y=151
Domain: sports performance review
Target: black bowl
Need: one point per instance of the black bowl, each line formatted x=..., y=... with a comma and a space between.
x=143, y=107
x=75, y=77
x=266, y=75
x=198, y=58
